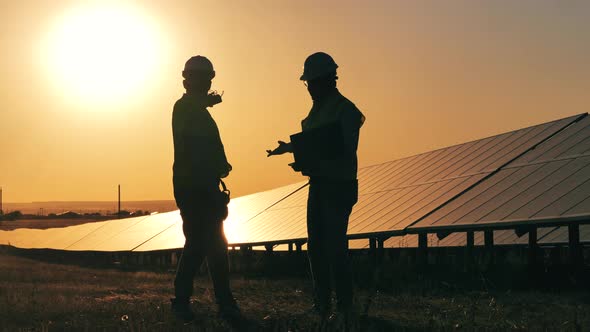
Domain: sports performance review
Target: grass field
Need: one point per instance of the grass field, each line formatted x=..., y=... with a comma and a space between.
x=37, y=296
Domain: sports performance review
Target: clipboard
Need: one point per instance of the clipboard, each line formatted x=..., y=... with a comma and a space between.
x=310, y=147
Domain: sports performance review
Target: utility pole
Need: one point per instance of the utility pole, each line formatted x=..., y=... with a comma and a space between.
x=119, y=213
x=1, y=211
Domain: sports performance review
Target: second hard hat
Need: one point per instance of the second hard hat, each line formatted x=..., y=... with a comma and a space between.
x=317, y=65
x=199, y=65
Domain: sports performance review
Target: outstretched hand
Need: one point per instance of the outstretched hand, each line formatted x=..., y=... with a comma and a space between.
x=281, y=149
x=295, y=167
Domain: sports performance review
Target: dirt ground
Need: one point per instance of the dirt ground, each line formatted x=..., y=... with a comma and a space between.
x=38, y=296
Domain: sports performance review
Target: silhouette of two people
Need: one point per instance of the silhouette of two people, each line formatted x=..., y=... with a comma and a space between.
x=325, y=150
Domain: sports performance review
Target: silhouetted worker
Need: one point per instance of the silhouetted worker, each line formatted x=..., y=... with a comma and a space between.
x=333, y=188
x=199, y=165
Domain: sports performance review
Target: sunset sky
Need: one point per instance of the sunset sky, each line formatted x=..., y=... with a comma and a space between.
x=87, y=88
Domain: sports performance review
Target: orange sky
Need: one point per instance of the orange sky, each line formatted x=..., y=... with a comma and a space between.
x=427, y=74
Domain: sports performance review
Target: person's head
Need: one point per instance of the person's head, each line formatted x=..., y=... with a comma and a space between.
x=319, y=73
x=198, y=73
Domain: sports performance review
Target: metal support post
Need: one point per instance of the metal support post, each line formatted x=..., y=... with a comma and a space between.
x=422, y=248
x=533, y=246
x=574, y=244
x=488, y=239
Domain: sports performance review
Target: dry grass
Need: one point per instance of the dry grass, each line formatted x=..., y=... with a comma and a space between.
x=37, y=296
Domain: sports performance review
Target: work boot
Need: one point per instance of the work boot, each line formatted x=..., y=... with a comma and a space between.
x=323, y=311
x=345, y=319
x=229, y=311
x=181, y=309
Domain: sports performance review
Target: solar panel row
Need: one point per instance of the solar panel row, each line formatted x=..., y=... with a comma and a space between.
x=545, y=236
x=552, y=181
x=537, y=172
x=394, y=195
x=146, y=233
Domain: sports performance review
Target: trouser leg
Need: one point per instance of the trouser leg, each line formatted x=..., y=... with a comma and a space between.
x=218, y=263
x=339, y=257
x=203, y=229
x=319, y=264
x=331, y=204
x=189, y=263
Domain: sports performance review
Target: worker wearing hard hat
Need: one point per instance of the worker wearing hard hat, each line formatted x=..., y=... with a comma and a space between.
x=199, y=164
x=333, y=186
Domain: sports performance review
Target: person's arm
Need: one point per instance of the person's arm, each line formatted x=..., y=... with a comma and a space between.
x=202, y=153
x=350, y=122
x=281, y=149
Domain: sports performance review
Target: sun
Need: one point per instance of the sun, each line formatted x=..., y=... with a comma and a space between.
x=101, y=54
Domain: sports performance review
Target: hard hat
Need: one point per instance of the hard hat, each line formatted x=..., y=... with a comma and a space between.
x=199, y=65
x=317, y=65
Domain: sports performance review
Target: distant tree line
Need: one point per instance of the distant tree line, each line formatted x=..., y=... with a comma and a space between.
x=15, y=215
x=10, y=216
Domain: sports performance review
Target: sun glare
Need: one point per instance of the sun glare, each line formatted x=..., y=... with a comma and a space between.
x=102, y=54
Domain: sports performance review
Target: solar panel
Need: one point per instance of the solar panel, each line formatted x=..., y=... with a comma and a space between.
x=539, y=171
x=171, y=238
x=241, y=210
x=140, y=233
x=104, y=233
x=395, y=194
x=550, y=181
x=22, y=237
x=60, y=238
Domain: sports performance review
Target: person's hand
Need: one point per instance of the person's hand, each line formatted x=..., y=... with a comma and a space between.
x=295, y=167
x=225, y=173
x=281, y=149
